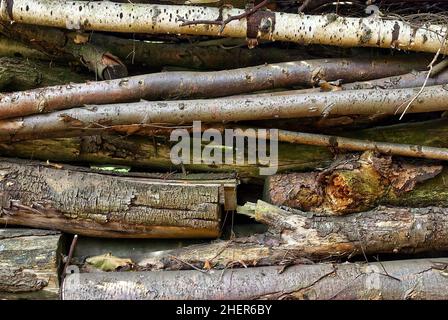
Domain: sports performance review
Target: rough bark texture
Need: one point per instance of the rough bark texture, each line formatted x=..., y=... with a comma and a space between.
x=178, y=85
x=154, y=153
x=21, y=74
x=401, y=280
x=96, y=204
x=93, y=118
x=328, y=29
x=29, y=264
x=361, y=182
x=296, y=235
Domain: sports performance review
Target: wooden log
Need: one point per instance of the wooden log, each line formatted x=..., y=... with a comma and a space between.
x=402, y=280
x=96, y=204
x=296, y=236
x=29, y=260
x=357, y=183
x=329, y=29
x=182, y=84
x=74, y=46
x=20, y=74
x=93, y=118
x=155, y=152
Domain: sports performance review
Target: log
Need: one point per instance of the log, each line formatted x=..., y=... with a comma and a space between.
x=102, y=205
x=155, y=153
x=29, y=260
x=296, y=236
x=60, y=44
x=327, y=29
x=16, y=49
x=93, y=118
x=21, y=74
x=422, y=279
x=182, y=84
x=356, y=183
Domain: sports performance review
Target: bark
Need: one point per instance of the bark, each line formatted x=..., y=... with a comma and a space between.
x=204, y=55
x=29, y=261
x=328, y=29
x=102, y=205
x=60, y=44
x=155, y=152
x=296, y=236
x=175, y=85
x=93, y=118
x=357, y=183
x=20, y=74
x=399, y=280
x=152, y=153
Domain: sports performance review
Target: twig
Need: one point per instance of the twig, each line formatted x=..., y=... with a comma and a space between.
x=223, y=23
x=70, y=254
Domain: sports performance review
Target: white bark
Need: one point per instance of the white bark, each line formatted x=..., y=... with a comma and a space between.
x=146, y=18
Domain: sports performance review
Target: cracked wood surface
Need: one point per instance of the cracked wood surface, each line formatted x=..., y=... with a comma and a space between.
x=104, y=205
x=403, y=280
x=354, y=183
x=29, y=264
x=294, y=236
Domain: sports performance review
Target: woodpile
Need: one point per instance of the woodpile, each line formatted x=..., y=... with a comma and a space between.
x=168, y=150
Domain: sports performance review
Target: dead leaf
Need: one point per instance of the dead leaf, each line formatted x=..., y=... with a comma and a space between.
x=107, y=262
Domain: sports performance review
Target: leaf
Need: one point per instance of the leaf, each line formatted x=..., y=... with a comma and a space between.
x=107, y=262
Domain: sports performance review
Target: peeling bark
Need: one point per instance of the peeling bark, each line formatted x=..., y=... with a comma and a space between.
x=401, y=280
x=361, y=182
x=178, y=85
x=60, y=44
x=29, y=264
x=102, y=205
x=296, y=236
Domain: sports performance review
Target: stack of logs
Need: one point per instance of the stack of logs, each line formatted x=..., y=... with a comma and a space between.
x=92, y=91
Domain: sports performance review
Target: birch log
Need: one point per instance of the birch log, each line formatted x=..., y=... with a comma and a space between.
x=296, y=236
x=29, y=261
x=93, y=118
x=183, y=84
x=102, y=205
x=328, y=29
x=400, y=280
x=357, y=183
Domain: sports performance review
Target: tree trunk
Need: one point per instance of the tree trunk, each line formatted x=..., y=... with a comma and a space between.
x=328, y=29
x=361, y=182
x=102, y=205
x=295, y=236
x=93, y=118
x=29, y=261
x=401, y=280
x=21, y=74
x=178, y=85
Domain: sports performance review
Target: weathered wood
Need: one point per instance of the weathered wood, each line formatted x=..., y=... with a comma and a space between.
x=102, y=205
x=155, y=153
x=357, y=183
x=295, y=235
x=182, y=84
x=20, y=74
x=73, y=46
x=403, y=280
x=29, y=260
